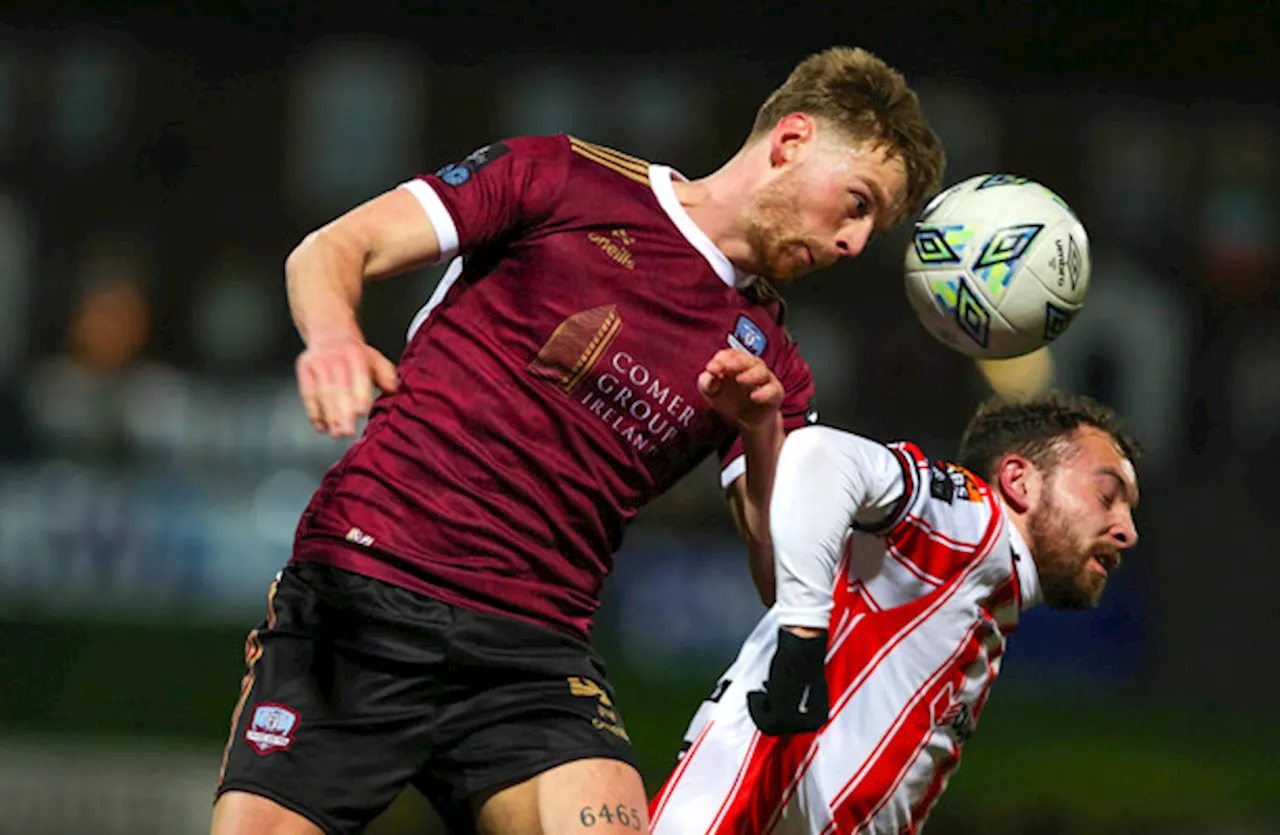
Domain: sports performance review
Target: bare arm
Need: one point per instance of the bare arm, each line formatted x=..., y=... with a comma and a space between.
x=749, y=502
x=324, y=276
x=743, y=389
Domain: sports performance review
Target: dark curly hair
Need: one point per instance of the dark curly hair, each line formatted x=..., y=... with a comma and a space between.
x=1037, y=428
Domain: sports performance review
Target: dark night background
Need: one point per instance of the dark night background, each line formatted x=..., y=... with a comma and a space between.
x=159, y=160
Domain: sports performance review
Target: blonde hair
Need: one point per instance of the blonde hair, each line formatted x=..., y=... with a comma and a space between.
x=867, y=101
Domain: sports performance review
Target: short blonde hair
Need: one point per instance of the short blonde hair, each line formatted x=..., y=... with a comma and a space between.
x=867, y=101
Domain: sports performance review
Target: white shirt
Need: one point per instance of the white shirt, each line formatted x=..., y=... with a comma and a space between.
x=913, y=567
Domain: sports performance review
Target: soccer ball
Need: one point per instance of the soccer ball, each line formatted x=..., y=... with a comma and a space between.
x=997, y=267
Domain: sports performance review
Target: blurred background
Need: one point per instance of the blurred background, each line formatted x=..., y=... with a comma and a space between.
x=159, y=160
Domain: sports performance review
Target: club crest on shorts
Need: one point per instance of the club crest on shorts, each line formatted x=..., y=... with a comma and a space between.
x=271, y=728
x=748, y=337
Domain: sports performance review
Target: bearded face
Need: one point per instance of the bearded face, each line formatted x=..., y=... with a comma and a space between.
x=776, y=234
x=1073, y=565
x=822, y=206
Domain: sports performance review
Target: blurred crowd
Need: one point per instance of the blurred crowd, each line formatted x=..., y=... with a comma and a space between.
x=154, y=456
x=147, y=203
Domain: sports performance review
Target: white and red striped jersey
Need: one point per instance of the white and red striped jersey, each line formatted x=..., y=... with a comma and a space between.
x=914, y=568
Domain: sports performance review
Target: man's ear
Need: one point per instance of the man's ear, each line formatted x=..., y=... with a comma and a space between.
x=787, y=136
x=1018, y=481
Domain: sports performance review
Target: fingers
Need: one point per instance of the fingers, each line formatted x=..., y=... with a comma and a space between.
x=308, y=389
x=384, y=372
x=749, y=375
x=709, y=385
x=361, y=387
x=336, y=400
x=771, y=392
x=729, y=361
x=755, y=374
x=336, y=383
x=759, y=382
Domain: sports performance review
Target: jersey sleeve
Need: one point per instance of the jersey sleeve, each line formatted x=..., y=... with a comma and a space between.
x=827, y=482
x=946, y=515
x=798, y=410
x=495, y=190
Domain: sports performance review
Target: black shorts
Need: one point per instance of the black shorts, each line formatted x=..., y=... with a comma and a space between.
x=356, y=688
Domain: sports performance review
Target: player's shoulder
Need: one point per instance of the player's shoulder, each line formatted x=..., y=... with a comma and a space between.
x=524, y=158
x=944, y=496
x=604, y=162
x=555, y=145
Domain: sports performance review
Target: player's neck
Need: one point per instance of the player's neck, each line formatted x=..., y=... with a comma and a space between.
x=718, y=204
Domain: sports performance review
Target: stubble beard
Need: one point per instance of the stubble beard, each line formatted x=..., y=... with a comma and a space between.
x=1062, y=561
x=771, y=233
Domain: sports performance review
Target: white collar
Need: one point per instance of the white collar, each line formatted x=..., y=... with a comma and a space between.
x=1025, y=565
x=660, y=177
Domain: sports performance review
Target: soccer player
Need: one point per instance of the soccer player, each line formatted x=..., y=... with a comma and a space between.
x=599, y=332
x=902, y=576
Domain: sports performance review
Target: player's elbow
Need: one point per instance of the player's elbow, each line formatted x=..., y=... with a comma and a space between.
x=329, y=245
x=304, y=253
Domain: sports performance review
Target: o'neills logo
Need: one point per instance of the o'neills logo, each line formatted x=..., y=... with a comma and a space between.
x=625, y=394
x=615, y=246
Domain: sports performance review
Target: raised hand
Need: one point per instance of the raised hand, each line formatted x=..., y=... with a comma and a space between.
x=740, y=387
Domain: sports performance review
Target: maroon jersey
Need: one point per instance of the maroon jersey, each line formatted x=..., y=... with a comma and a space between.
x=549, y=388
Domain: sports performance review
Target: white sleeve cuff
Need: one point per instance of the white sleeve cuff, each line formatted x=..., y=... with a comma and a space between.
x=729, y=474
x=441, y=220
x=810, y=617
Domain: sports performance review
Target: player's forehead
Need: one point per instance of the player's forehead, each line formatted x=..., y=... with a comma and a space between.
x=853, y=162
x=1099, y=455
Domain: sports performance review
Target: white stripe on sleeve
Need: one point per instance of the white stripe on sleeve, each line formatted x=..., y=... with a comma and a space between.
x=441, y=220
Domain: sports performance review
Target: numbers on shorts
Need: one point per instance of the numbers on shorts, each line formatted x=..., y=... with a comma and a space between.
x=619, y=815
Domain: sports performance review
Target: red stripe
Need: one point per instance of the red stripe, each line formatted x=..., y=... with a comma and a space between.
x=660, y=802
x=833, y=827
x=840, y=596
x=776, y=765
x=935, y=555
x=731, y=798
x=868, y=602
x=846, y=670
x=773, y=770
x=970, y=646
x=934, y=533
x=916, y=455
x=995, y=649
x=871, y=788
x=851, y=668
x=916, y=571
x=1002, y=605
x=920, y=812
x=994, y=642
